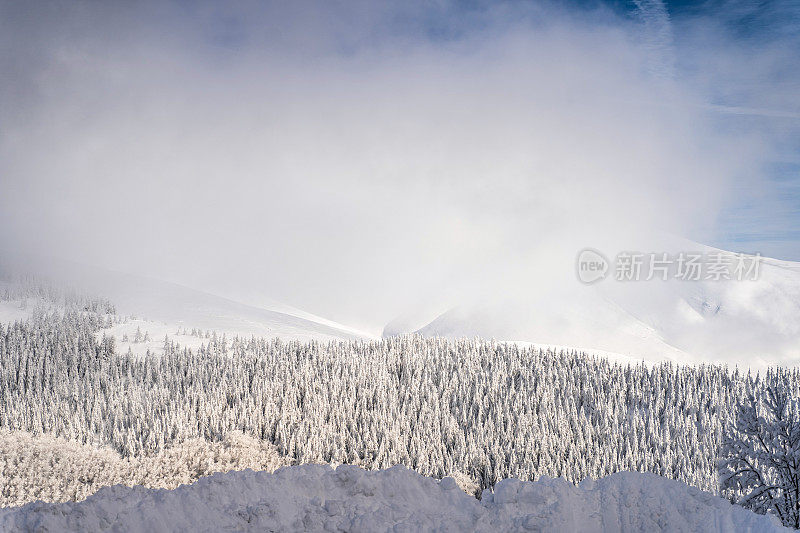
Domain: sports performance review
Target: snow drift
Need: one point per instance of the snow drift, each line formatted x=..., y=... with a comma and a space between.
x=317, y=498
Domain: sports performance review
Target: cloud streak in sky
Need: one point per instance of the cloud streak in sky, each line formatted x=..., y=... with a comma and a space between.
x=657, y=36
x=354, y=159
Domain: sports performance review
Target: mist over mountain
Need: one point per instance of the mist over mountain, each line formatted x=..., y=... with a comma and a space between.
x=474, y=265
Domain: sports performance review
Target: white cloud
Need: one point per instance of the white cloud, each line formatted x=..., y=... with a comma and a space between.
x=355, y=160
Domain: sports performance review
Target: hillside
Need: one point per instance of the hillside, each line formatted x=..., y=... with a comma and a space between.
x=158, y=309
x=740, y=323
x=746, y=323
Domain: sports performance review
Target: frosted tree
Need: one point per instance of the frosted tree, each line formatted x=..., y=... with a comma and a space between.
x=760, y=464
x=482, y=409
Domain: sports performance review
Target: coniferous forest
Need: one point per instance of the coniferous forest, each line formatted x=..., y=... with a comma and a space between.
x=476, y=409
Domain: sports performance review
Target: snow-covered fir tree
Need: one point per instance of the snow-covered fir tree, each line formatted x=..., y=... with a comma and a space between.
x=472, y=408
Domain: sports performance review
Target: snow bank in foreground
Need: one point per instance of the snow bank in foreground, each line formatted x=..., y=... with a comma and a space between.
x=317, y=498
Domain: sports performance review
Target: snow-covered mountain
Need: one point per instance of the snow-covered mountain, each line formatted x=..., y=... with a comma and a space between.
x=747, y=323
x=319, y=498
x=157, y=308
x=750, y=323
x=179, y=306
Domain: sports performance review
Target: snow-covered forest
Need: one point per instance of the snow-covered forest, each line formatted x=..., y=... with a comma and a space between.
x=474, y=409
x=489, y=265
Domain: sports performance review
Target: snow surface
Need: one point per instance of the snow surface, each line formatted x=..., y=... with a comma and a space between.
x=161, y=309
x=177, y=306
x=746, y=323
x=319, y=498
x=751, y=323
x=16, y=310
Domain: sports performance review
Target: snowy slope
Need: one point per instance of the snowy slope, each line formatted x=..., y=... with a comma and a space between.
x=318, y=498
x=160, y=308
x=14, y=310
x=745, y=323
x=176, y=305
x=164, y=309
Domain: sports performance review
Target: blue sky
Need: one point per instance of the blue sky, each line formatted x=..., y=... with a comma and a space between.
x=766, y=219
